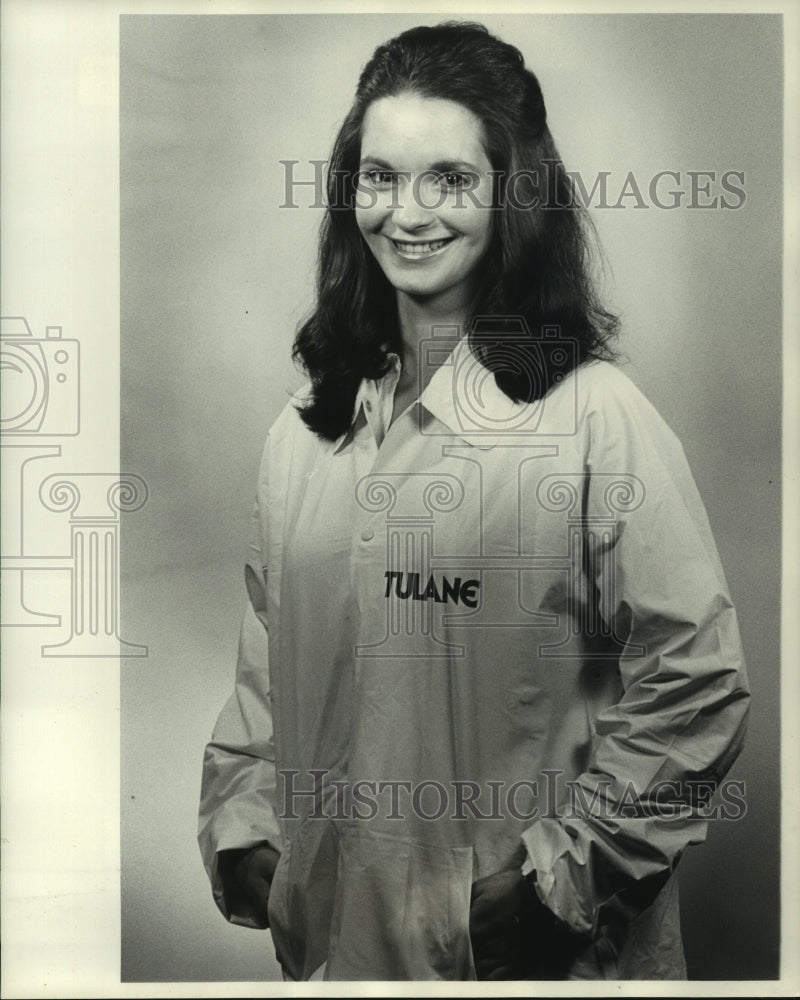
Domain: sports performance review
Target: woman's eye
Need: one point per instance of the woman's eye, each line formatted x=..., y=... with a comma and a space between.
x=378, y=178
x=452, y=180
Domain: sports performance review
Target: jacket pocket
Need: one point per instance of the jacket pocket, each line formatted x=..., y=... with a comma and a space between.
x=401, y=910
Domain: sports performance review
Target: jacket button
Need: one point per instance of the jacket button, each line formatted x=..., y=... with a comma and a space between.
x=367, y=534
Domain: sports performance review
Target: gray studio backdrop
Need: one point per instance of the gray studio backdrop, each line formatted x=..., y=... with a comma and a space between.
x=215, y=275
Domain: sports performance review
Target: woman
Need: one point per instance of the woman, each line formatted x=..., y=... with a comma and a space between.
x=504, y=669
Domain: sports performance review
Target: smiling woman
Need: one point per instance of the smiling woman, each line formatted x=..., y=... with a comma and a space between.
x=419, y=153
x=447, y=145
x=503, y=670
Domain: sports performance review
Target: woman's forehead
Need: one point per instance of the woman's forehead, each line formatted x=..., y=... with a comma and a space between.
x=409, y=130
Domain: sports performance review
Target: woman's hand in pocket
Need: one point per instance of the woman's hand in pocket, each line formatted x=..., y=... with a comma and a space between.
x=247, y=875
x=494, y=925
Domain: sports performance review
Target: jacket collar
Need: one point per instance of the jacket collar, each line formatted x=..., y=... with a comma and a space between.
x=463, y=396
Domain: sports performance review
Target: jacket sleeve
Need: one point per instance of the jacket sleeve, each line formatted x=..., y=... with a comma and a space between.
x=657, y=753
x=237, y=799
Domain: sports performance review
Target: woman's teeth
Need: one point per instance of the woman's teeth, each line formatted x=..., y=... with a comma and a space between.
x=420, y=249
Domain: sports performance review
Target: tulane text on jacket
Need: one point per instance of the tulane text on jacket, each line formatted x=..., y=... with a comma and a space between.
x=408, y=586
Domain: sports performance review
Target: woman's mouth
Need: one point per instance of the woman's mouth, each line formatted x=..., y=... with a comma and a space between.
x=419, y=250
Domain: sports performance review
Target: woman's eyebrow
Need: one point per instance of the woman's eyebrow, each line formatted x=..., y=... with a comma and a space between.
x=375, y=161
x=440, y=166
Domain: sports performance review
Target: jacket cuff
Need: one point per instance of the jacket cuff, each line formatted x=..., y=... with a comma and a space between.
x=547, y=845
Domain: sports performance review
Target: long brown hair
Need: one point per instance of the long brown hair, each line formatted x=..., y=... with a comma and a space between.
x=537, y=267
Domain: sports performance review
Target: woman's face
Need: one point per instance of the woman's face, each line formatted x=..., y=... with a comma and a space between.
x=424, y=195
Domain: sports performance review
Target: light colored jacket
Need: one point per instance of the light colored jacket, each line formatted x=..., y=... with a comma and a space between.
x=494, y=624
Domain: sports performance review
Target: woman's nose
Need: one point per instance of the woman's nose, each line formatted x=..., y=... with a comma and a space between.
x=410, y=212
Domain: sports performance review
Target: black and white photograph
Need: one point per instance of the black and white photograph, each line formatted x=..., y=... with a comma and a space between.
x=400, y=467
